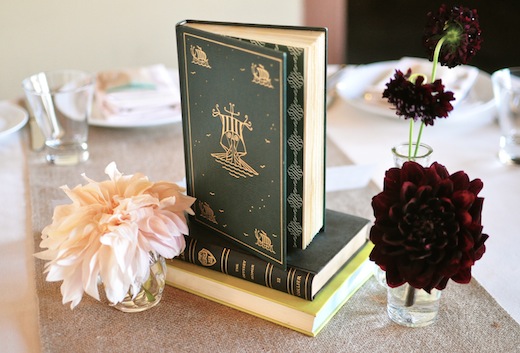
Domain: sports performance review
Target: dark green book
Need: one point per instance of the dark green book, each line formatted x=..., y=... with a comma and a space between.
x=307, y=270
x=255, y=154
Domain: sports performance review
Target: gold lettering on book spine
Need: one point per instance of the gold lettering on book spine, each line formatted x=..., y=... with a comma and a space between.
x=263, y=240
x=198, y=56
x=261, y=75
x=233, y=143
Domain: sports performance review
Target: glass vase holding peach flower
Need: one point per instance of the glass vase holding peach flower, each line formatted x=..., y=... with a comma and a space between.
x=116, y=232
x=147, y=293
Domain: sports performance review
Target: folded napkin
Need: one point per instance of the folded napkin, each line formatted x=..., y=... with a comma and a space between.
x=458, y=80
x=137, y=94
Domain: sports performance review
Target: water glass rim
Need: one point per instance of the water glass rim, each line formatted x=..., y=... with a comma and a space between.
x=507, y=78
x=428, y=148
x=509, y=68
x=38, y=83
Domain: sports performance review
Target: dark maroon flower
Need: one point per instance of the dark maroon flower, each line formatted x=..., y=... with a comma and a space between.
x=428, y=226
x=416, y=100
x=461, y=28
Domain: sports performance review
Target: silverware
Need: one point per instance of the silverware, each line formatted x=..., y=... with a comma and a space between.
x=332, y=81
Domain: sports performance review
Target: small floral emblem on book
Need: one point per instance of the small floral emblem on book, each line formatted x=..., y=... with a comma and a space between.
x=261, y=75
x=199, y=56
x=206, y=258
x=263, y=241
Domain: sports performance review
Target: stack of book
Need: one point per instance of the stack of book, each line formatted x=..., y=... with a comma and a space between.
x=304, y=297
x=261, y=241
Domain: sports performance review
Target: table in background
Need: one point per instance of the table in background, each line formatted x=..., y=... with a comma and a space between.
x=469, y=317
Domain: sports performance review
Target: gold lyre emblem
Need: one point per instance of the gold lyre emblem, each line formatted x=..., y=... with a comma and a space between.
x=232, y=141
x=199, y=56
x=261, y=75
x=263, y=241
x=206, y=258
x=207, y=212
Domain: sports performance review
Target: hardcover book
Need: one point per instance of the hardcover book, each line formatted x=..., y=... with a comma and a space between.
x=308, y=317
x=253, y=106
x=308, y=270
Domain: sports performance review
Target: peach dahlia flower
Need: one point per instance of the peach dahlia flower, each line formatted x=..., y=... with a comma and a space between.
x=109, y=231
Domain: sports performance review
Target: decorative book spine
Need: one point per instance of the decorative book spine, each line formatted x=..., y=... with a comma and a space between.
x=237, y=264
x=295, y=125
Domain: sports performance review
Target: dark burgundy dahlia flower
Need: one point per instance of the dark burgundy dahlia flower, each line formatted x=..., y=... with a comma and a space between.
x=428, y=226
x=461, y=28
x=415, y=100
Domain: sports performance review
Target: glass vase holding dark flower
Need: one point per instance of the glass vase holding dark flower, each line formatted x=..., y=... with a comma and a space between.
x=427, y=230
x=428, y=225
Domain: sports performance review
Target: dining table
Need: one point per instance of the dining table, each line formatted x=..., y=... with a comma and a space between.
x=483, y=315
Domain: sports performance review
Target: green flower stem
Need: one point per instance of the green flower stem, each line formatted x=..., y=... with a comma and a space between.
x=147, y=286
x=410, y=140
x=436, y=57
x=418, y=140
x=410, y=296
x=149, y=295
x=414, y=77
x=436, y=54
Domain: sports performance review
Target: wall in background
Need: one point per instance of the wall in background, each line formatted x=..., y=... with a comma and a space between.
x=333, y=15
x=388, y=30
x=97, y=34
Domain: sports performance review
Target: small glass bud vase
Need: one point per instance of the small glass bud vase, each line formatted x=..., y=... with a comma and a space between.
x=420, y=154
x=380, y=276
x=151, y=290
x=413, y=307
x=400, y=154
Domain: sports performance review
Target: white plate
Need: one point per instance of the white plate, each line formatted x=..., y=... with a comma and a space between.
x=12, y=118
x=358, y=79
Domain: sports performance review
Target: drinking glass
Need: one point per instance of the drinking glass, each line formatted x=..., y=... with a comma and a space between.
x=61, y=103
x=506, y=89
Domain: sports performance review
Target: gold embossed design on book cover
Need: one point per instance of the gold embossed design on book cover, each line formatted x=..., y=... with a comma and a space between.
x=199, y=56
x=232, y=141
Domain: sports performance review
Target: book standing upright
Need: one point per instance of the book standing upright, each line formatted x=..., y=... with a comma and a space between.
x=254, y=153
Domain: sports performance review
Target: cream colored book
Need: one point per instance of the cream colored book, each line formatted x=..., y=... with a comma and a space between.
x=307, y=317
